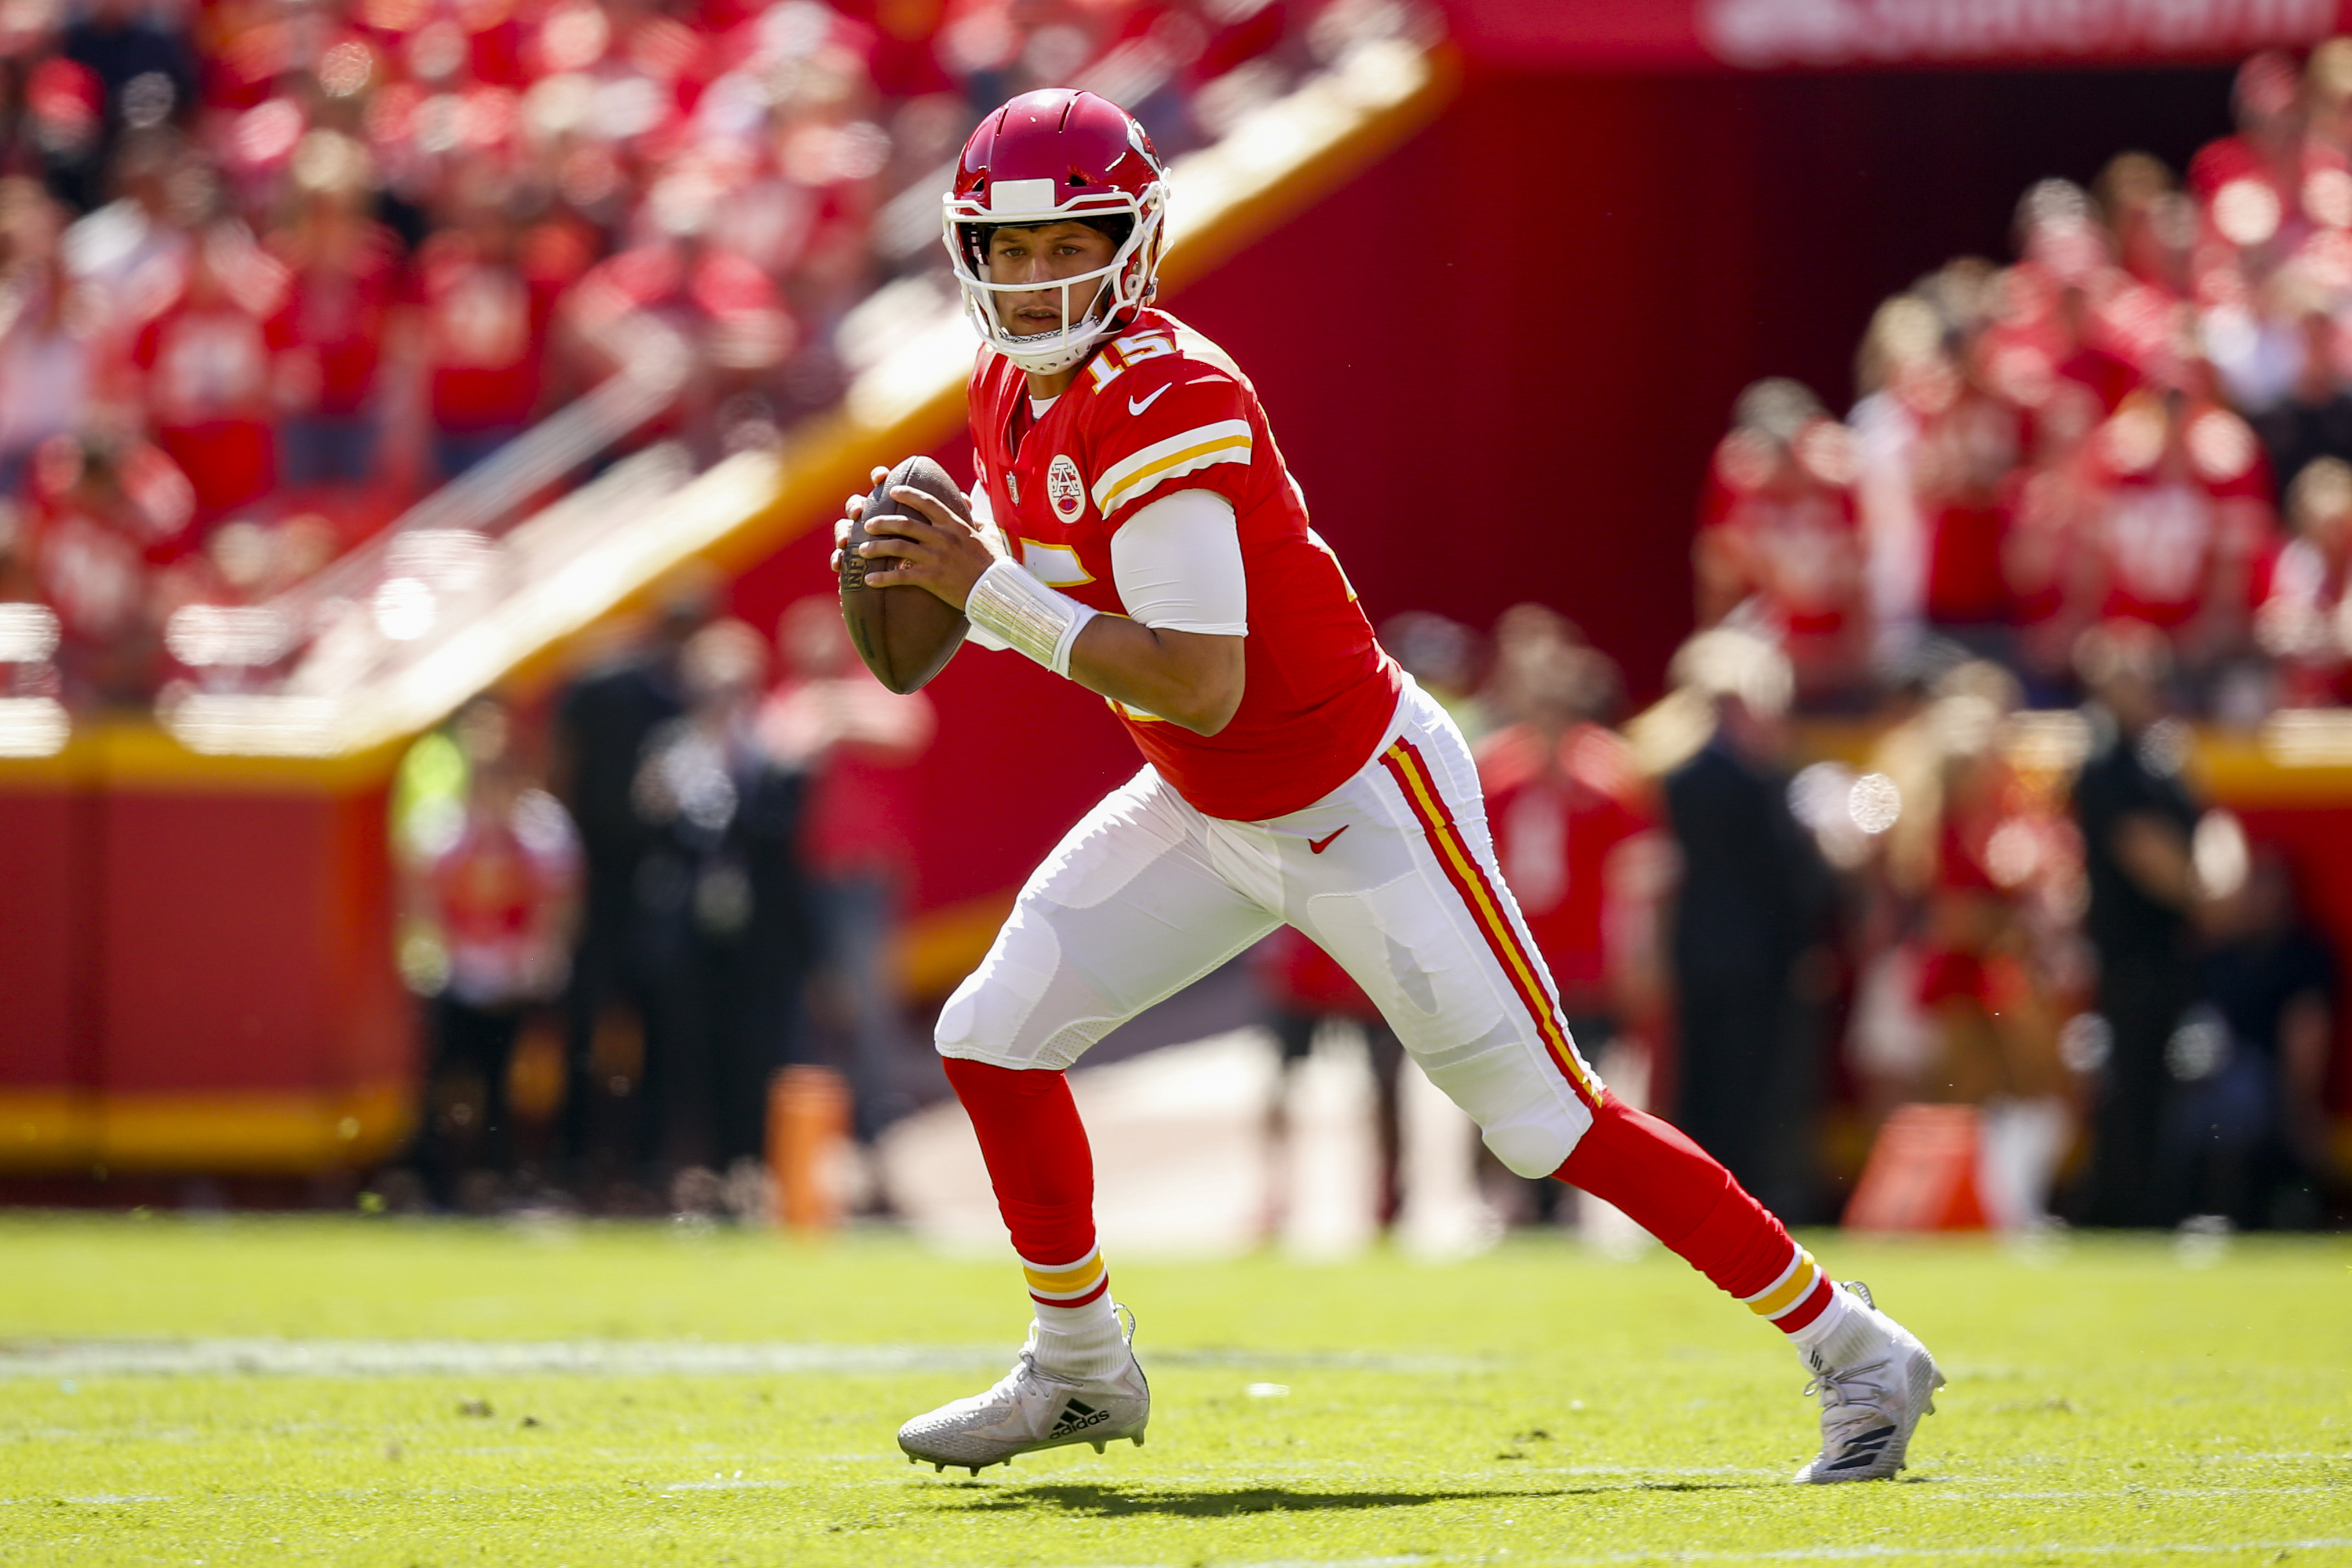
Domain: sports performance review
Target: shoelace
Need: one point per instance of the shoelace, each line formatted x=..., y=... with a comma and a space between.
x=1830, y=1387
x=1025, y=1367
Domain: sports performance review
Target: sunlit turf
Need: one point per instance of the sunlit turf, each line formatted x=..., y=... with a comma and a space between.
x=2110, y=1400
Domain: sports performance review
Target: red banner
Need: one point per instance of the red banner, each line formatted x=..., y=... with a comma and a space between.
x=1772, y=35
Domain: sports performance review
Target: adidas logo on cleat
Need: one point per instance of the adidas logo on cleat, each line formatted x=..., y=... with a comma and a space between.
x=1076, y=1416
x=1864, y=1449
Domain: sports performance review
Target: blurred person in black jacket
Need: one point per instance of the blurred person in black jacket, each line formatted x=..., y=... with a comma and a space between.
x=601, y=723
x=2138, y=820
x=1745, y=934
x=2246, y=1135
x=719, y=920
x=2314, y=420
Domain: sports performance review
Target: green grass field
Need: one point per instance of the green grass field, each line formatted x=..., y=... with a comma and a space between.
x=735, y=1395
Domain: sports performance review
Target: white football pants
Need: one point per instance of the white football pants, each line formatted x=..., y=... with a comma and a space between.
x=1392, y=874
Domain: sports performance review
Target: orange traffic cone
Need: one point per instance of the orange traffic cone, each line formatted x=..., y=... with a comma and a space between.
x=808, y=1133
x=1922, y=1173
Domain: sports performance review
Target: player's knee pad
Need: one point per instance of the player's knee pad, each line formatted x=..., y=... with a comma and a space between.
x=1529, y=1147
x=1526, y=1112
x=984, y=1019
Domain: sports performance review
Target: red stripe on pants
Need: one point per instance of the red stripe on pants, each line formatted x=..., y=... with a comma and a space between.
x=1452, y=851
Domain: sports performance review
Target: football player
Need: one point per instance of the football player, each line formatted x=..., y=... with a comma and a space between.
x=1132, y=528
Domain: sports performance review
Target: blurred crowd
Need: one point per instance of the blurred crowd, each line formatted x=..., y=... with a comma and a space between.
x=2145, y=418
x=2082, y=498
x=2023, y=919
x=2026, y=920
x=691, y=885
x=272, y=270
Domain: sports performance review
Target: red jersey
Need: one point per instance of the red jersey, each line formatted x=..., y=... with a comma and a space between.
x=494, y=892
x=1966, y=450
x=335, y=313
x=1794, y=535
x=208, y=394
x=487, y=326
x=1159, y=409
x=2170, y=516
x=1557, y=822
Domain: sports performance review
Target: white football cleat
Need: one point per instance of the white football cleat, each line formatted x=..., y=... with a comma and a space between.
x=1030, y=1409
x=1869, y=1408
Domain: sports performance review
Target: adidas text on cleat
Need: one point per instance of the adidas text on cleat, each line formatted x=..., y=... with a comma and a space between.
x=1029, y=1409
x=1870, y=1405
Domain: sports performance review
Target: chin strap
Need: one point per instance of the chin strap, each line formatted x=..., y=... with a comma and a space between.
x=1037, y=620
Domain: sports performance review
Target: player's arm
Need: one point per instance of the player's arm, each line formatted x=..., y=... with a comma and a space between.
x=1150, y=660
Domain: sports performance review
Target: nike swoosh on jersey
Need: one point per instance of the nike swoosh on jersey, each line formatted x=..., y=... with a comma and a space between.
x=1319, y=845
x=1136, y=406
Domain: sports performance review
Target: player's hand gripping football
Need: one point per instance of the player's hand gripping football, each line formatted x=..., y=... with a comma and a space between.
x=932, y=545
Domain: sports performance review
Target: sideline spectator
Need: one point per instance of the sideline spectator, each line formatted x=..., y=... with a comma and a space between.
x=145, y=71
x=1898, y=371
x=495, y=886
x=1575, y=839
x=858, y=743
x=1997, y=1033
x=1745, y=931
x=2246, y=1135
x=1306, y=989
x=1565, y=805
x=602, y=722
x=2136, y=815
x=720, y=909
x=2054, y=505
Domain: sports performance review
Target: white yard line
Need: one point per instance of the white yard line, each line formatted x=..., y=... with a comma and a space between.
x=475, y=1358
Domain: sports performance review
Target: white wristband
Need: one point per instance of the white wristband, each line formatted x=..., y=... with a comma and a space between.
x=1035, y=619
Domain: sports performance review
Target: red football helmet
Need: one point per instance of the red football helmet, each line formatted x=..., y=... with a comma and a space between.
x=1048, y=157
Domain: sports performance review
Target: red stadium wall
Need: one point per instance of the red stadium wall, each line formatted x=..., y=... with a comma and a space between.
x=197, y=962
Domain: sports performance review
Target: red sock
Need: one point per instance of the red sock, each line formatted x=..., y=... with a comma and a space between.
x=1680, y=1194
x=1042, y=1168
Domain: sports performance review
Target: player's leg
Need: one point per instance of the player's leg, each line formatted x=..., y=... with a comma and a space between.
x=1136, y=903
x=1411, y=901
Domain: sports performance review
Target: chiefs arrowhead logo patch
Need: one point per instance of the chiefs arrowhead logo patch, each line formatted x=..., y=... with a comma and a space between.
x=1065, y=491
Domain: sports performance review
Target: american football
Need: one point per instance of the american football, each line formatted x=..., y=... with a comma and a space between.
x=906, y=635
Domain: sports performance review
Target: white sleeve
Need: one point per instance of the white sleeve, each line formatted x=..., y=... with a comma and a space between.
x=983, y=514
x=1178, y=565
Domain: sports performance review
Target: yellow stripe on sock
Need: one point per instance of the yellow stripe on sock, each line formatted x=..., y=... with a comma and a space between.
x=1789, y=1292
x=1067, y=1281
